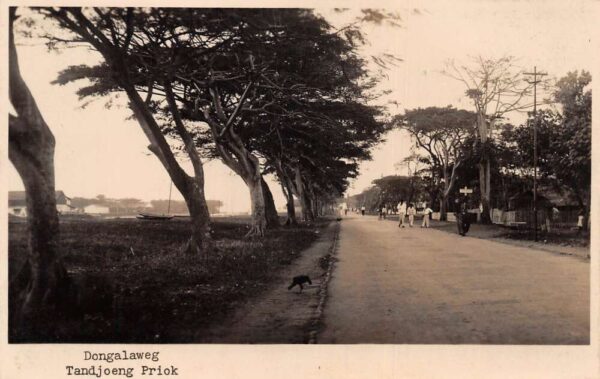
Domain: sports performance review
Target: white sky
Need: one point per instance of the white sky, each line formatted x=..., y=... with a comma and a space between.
x=100, y=152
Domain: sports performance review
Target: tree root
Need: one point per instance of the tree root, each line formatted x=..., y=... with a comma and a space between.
x=38, y=303
x=256, y=231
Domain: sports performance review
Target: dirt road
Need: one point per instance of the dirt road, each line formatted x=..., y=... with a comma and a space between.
x=422, y=286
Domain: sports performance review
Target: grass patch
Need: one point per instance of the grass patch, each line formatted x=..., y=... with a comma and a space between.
x=561, y=237
x=137, y=287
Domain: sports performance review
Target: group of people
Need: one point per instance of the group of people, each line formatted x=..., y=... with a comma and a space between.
x=408, y=211
x=405, y=209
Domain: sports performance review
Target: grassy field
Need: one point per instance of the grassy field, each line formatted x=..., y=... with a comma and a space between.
x=138, y=286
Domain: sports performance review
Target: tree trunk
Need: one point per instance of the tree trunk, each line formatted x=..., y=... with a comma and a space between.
x=200, y=240
x=484, y=186
x=257, y=201
x=448, y=188
x=305, y=203
x=31, y=151
x=444, y=209
x=270, y=209
x=48, y=283
x=289, y=204
x=313, y=201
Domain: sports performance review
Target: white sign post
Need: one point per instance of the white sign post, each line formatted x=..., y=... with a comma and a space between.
x=466, y=190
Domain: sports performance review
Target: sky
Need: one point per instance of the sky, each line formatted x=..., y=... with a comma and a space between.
x=100, y=151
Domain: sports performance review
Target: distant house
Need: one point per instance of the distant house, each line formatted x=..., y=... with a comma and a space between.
x=524, y=201
x=17, y=205
x=96, y=209
x=560, y=208
x=63, y=203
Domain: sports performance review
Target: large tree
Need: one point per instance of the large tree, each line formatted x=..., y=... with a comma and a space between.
x=43, y=283
x=442, y=133
x=113, y=33
x=496, y=87
x=572, y=149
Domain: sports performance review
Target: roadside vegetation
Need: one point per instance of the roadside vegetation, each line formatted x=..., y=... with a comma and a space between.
x=134, y=285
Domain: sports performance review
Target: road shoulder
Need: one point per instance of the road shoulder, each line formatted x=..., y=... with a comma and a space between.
x=574, y=251
x=281, y=315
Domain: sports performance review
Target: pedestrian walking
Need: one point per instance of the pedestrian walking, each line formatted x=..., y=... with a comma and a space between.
x=580, y=218
x=401, y=213
x=462, y=217
x=384, y=212
x=362, y=210
x=380, y=212
x=411, y=211
x=426, y=215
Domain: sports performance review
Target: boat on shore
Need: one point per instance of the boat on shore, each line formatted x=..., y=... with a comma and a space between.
x=153, y=217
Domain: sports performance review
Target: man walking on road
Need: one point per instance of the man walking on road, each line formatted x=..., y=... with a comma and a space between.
x=401, y=213
x=426, y=215
x=462, y=217
x=412, y=211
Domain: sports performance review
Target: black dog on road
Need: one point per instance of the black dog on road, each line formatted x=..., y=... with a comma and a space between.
x=299, y=281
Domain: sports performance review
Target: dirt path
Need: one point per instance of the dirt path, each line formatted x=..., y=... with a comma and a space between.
x=426, y=286
x=281, y=316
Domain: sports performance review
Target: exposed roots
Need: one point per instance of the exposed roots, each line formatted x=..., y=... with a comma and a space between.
x=40, y=300
x=192, y=247
x=256, y=231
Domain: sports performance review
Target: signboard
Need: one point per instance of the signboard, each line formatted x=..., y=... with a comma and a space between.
x=466, y=190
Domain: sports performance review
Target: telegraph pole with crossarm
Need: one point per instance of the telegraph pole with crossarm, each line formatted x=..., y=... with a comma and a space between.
x=535, y=81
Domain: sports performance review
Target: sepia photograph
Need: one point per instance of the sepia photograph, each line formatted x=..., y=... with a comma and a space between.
x=415, y=174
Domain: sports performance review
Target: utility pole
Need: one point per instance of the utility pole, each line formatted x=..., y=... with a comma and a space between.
x=535, y=81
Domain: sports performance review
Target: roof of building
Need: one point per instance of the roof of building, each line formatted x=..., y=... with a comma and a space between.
x=546, y=196
x=18, y=198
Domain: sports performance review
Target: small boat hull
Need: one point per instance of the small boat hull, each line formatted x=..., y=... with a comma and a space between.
x=151, y=217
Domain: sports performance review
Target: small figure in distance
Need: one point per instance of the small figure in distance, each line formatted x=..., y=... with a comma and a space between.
x=412, y=211
x=426, y=215
x=462, y=217
x=580, y=218
x=401, y=213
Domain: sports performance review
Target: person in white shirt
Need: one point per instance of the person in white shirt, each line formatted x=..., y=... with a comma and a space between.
x=401, y=213
x=411, y=211
x=580, y=218
x=426, y=215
